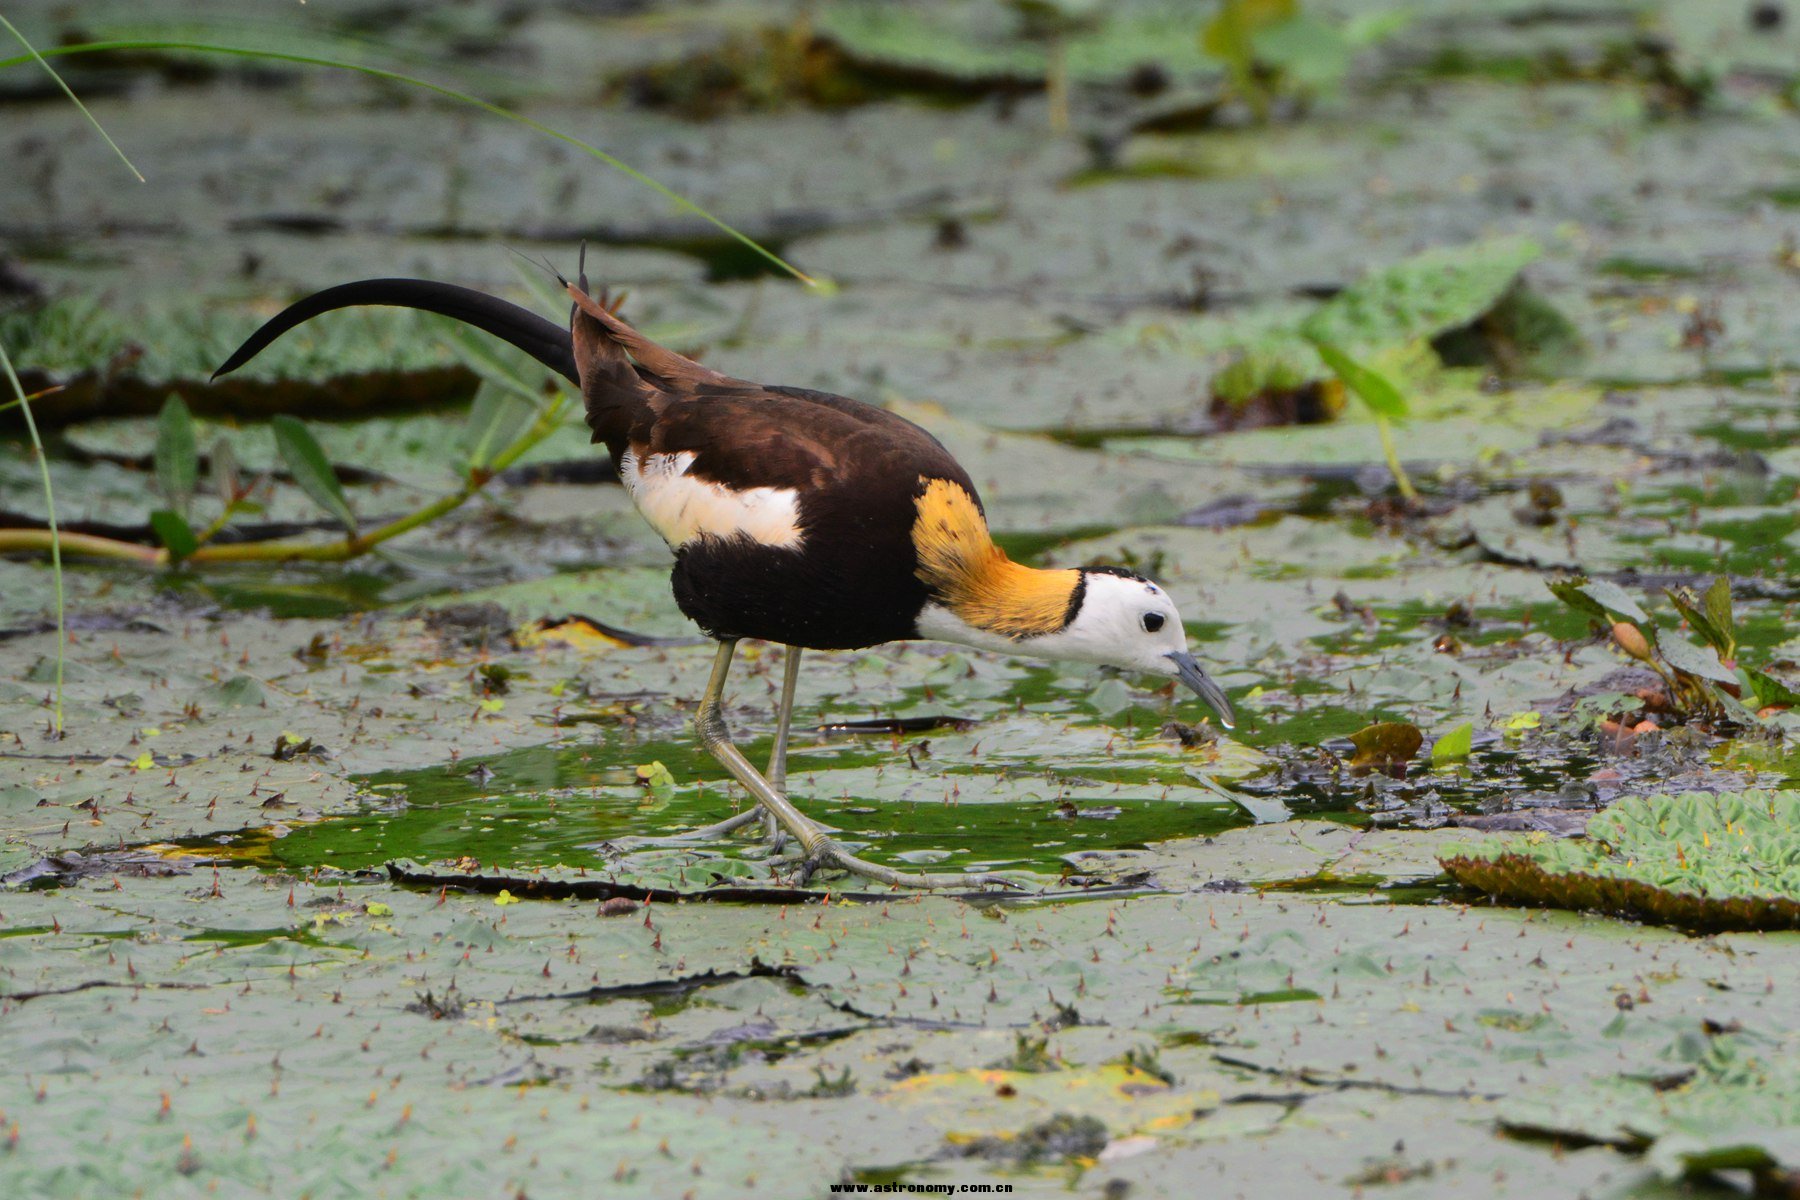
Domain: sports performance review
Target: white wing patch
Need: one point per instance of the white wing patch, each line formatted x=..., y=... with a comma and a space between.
x=682, y=509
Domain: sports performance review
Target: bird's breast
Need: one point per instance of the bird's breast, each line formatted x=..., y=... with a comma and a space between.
x=683, y=507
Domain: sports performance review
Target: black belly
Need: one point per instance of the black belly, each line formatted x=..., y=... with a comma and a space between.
x=843, y=596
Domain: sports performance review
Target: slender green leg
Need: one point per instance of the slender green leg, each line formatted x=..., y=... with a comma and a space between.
x=784, y=717
x=777, y=779
x=821, y=849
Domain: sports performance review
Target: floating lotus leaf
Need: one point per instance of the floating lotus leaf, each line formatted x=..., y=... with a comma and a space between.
x=1732, y=1101
x=1422, y=296
x=1697, y=861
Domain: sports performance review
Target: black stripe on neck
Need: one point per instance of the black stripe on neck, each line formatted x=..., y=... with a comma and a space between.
x=1075, y=598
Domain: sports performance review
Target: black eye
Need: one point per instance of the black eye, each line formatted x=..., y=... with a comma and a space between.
x=1152, y=622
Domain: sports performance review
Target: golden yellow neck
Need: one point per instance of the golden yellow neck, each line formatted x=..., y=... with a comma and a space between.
x=974, y=579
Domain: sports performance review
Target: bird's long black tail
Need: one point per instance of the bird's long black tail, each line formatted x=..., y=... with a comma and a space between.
x=544, y=340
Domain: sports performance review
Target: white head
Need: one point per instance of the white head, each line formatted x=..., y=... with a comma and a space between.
x=1124, y=620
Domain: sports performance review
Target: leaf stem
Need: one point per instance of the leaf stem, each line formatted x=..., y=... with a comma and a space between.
x=93, y=546
x=1401, y=479
x=33, y=55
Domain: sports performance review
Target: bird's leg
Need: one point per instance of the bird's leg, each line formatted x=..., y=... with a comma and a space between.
x=821, y=849
x=784, y=716
x=777, y=779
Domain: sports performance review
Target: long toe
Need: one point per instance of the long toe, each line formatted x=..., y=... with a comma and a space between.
x=688, y=837
x=843, y=860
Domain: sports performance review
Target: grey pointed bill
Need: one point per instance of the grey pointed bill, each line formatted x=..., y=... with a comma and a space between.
x=1187, y=669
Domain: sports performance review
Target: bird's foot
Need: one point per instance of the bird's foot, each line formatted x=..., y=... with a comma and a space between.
x=773, y=834
x=828, y=852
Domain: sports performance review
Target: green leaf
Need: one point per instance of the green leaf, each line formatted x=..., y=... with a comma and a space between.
x=1605, y=602
x=511, y=370
x=1690, y=659
x=1769, y=691
x=496, y=420
x=1231, y=35
x=1377, y=391
x=1422, y=296
x=173, y=531
x=1718, y=607
x=1688, y=606
x=656, y=779
x=1454, y=746
x=311, y=470
x=177, y=455
x=227, y=482
x=1313, y=53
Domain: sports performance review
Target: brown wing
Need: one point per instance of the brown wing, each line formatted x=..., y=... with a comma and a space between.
x=766, y=437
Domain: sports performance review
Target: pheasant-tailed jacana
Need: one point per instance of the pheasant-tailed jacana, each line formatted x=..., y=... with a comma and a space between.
x=802, y=518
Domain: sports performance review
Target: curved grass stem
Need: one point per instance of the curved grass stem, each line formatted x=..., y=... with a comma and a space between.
x=662, y=189
x=32, y=55
x=37, y=445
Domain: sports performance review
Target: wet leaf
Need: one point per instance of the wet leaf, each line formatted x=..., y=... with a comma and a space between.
x=1313, y=54
x=656, y=779
x=1387, y=744
x=311, y=469
x=1726, y=1101
x=1232, y=35
x=986, y=43
x=1718, y=608
x=177, y=458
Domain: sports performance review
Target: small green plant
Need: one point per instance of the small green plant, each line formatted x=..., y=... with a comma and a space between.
x=1403, y=305
x=1030, y=1056
x=499, y=430
x=1273, y=49
x=1705, y=680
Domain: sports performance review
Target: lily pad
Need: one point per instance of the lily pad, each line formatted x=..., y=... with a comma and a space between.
x=1694, y=860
